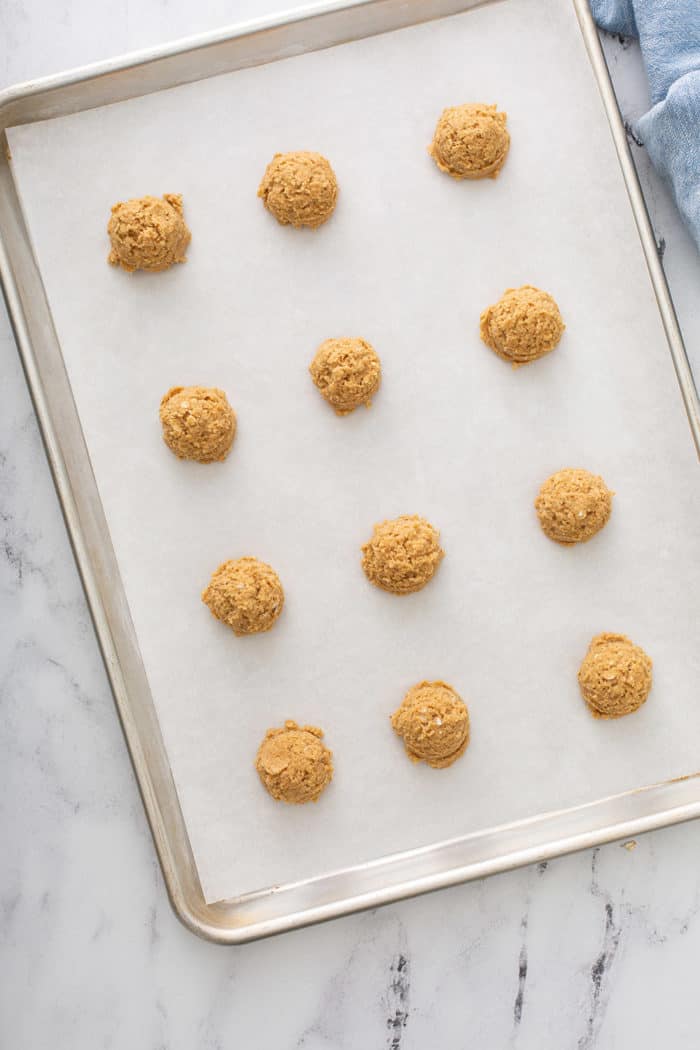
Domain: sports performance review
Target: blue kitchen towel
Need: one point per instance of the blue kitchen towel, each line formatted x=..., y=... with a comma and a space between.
x=669, y=36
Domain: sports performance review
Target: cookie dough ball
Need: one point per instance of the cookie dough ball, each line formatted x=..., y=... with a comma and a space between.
x=300, y=189
x=293, y=764
x=246, y=595
x=470, y=141
x=198, y=423
x=403, y=554
x=573, y=505
x=433, y=721
x=615, y=676
x=347, y=372
x=523, y=325
x=148, y=233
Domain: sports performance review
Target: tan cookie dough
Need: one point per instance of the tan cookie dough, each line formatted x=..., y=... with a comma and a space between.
x=615, y=676
x=470, y=141
x=300, y=189
x=403, y=554
x=246, y=595
x=148, y=233
x=198, y=423
x=433, y=721
x=293, y=764
x=523, y=325
x=347, y=372
x=573, y=505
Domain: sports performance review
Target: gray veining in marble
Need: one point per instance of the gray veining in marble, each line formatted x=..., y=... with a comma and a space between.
x=597, y=950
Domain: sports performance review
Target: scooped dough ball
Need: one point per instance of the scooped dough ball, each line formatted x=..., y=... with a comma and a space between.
x=471, y=141
x=198, y=423
x=573, y=505
x=615, y=676
x=523, y=325
x=148, y=233
x=433, y=721
x=403, y=554
x=300, y=189
x=347, y=372
x=293, y=764
x=245, y=594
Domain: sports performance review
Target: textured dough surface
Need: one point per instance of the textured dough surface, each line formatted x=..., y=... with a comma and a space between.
x=299, y=189
x=403, y=554
x=293, y=763
x=573, y=505
x=148, y=233
x=347, y=372
x=523, y=325
x=433, y=722
x=246, y=595
x=198, y=423
x=470, y=141
x=615, y=676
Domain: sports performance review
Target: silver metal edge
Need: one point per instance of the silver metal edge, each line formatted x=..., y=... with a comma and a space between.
x=207, y=54
x=162, y=809
x=679, y=355
x=472, y=856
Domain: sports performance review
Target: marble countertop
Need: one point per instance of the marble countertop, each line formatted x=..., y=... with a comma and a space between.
x=594, y=950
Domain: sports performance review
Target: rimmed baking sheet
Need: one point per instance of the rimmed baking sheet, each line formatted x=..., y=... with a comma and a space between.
x=408, y=261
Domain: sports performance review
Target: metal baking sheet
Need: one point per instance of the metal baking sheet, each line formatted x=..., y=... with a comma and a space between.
x=453, y=434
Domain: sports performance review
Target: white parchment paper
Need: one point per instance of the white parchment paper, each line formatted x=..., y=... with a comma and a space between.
x=408, y=261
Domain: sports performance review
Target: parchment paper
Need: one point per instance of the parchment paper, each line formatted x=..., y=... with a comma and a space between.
x=408, y=261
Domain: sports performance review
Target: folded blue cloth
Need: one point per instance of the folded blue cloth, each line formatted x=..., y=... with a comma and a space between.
x=669, y=36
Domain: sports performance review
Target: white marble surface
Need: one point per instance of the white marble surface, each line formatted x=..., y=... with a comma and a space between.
x=596, y=950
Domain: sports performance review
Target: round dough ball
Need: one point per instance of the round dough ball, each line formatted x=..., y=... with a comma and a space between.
x=523, y=325
x=300, y=189
x=293, y=764
x=347, y=372
x=470, y=141
x=433, y=721
x=615, y=676
x=573, y=505
x=403, y=554
x=148, y=233
x=246, y=595
x=198, y=423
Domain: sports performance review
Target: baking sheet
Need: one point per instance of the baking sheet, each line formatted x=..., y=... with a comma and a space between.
x=408, y=261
